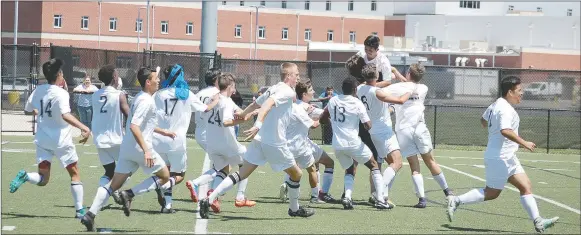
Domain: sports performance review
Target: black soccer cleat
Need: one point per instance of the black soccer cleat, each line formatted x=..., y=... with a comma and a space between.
x=116, y=197
x=326, y=197
x=347, y=203
x=421, y=203
x=89, y=221
x=160, y=198
x=301, y=212
x=125, y=202
x=204, y=208
x=448, y=192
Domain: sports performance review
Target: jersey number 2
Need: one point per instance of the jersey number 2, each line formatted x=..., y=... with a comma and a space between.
x=104, y=103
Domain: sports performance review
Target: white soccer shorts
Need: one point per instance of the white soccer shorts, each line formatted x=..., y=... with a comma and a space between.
x=67, y=155
x=279, y=157
x=385, y=143
x=108, y=155
x=177, y=160
x=316, y=150
x=223, y=157
x=131, y=160
x=499, y=170
x=414, y=140
x=361, y=154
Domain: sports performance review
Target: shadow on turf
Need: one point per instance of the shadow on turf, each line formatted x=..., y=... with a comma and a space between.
x=474, y=229
x=552, y=172
x=16, y=215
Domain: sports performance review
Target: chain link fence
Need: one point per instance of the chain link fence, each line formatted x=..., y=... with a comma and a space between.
x=550, y=110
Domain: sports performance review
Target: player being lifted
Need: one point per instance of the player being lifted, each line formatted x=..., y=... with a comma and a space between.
x=136, y=151
x=54, y=135
x=110, y=108
x=345, y=112
x=175, y=104
x=269, y=143
x=411, y=131
x=501, y=163
x=376, y=101
x=223, y=147
x=308, y=154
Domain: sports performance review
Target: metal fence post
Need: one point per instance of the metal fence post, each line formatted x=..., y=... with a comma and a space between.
x=499, y=89
x=435, y=119
x=310, y=70
x=548, y=129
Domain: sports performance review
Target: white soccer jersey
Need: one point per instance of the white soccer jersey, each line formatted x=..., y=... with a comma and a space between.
x=142, y=114
x=217, y=135
x=273, y=131
x=107, y=126
x=382, y=63
x=377, y=110
x=297, y=132
x=205, y=95
x=346, y=111
x=411, y=112
x=500, y=115
x=51, y=102
x=174, y=115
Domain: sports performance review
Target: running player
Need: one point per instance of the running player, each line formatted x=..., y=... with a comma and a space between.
x=54, y=135
x=175, y=104
x=269, y=143
x=501, y=163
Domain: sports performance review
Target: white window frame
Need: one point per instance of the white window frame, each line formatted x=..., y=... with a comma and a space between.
x=539, y=9
x=510, y=8
x=114, y=21
x=139, y=25
x=261, y=30
x=373, y=5
x=238, y=31
x=224, y=3
x=352, y=36
x=166, y=24
x=284, y=34
x=84, y=19
x=328, y=6
x=350, y=5
x=307, y=5
x=190, y=28
x=308, y=33
x=330, y=35
x=569, y=12
x=59, y=21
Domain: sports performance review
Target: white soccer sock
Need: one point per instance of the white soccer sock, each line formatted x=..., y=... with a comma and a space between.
x=224, y=185
x=419, y=185
x=286, y=178
x=205, y=178
x=147, y=185
x=100, y=199
x=388, y=176
x=104, y=180
x=349, y=178
x=472, y=196
x=530, y=205
x=294, y=189
x=441, y=179
x=327, y=180
x=379, y=184
x=241, y=189
x=168, y=192
x=315, y=192
x=34, y=177
x=77, y=191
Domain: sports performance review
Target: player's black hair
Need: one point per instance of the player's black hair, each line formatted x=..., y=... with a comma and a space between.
x=167, y=71
x=211, y=76
x=106, y=74
x=143, y=75
x=302, y=88
x=51, y=68
x=349, y=86
x=509, y=83
x=372, y=41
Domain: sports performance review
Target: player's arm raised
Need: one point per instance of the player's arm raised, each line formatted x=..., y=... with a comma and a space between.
x=249, y=110
x=383, y=96
x=215, y=100
x=230, y=120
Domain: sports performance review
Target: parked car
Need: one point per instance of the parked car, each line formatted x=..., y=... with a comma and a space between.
x=540, y=90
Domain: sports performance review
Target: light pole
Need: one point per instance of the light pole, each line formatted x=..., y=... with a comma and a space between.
x=256, y=37
x=139, y=25
x=15, y=44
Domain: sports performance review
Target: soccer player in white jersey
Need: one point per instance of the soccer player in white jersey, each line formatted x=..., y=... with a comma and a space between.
x=269, y=143
x=501, y=163
x=110, y=107
x=411, y=131
x=345, y=112
x=175, y=104
x=308, y=154
x=223, y=147
x=136, y=151
x=54, y=134
x=376, y=105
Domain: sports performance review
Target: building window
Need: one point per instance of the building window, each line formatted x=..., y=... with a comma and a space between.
x=223, y=2
x=190, y=28
x=261, y=32
x=164, y=27
x=241, y=3
x=352, y=36
x=139, y=25
x=374, y=33
x=58, y=21
x=238, y=31
x=283, y=4
x=263, y=3
x=330, y=35
x=350, y=5
x=510, y=8
x=307, y=34
x=569, y=12
x=373, y=5
x=284, y=33
x=307, y=5
x=85, y=22
x=470, y=4
x=328, y=6
x=539, y=9
x=112, y=24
